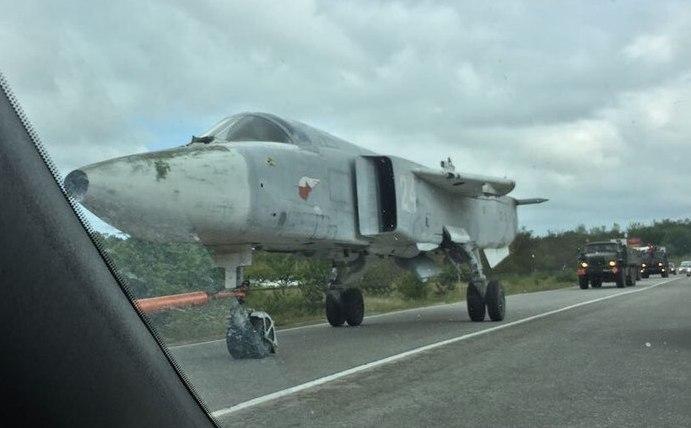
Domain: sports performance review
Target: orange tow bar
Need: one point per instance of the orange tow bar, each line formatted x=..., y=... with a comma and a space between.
x=174, y=301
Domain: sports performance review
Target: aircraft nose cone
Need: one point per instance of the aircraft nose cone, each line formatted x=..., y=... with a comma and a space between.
x=185, y=194
x=76, y=184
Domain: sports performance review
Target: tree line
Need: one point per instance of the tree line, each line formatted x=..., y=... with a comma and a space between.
x=153, y=269
x=557, y=250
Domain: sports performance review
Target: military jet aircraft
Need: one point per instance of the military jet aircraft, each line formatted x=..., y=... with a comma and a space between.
x=256, y=181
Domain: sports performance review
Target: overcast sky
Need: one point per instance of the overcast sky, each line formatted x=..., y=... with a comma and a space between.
x=588, y=104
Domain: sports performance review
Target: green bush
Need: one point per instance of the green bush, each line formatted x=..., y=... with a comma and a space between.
x=447, y=280
x=281, y=301
x=312, y=277
x=410, y=287
x=379, y=278
x=154, y=269
x=568, y=275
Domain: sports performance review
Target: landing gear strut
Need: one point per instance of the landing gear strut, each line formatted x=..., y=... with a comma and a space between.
x=343, y=304
x=482, y=296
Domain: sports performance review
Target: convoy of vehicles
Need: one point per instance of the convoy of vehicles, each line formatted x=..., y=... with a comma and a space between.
x=608, y=261
x=615, y=261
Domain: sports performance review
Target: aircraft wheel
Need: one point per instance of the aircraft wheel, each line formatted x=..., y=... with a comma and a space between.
x=353, y=306
x=495, y=300
x=476, y=304
x=583, y=282
x=334, y=309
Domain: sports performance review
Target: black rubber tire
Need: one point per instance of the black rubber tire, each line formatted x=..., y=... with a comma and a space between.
x=353, y=306
x=665, y=274
x=476, y=304
x=634, y=278
x=334, y=308
x=495, y=301
x=645, y=275
x=620, y=279
x=583, y=282
x=638, y=274
x=596, y=282
x=630, y=278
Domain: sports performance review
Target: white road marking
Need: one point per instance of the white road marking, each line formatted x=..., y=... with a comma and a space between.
x=368, y=366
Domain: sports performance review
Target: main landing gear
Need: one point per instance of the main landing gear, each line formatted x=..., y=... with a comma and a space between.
x=483, y=297
x=343, y=305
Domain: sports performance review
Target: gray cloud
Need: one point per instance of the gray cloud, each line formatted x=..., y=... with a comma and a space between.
x=586, y=103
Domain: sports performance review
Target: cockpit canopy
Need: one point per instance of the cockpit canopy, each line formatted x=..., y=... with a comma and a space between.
x=267, y=127
x=251, y=127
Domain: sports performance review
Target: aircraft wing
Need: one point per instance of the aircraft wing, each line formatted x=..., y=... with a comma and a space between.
x=466, y=184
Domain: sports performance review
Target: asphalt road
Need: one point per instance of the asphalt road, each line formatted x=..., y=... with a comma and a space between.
x=567, y=357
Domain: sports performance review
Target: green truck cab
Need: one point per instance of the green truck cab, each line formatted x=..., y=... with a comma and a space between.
x=654, y=261
x=608, y=261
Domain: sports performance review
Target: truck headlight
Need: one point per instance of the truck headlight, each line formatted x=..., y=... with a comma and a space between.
x=612, y=263
x=584, y=264
x=643, y=265
x=659, y=264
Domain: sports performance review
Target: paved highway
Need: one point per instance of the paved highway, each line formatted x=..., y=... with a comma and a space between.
x=566, y=357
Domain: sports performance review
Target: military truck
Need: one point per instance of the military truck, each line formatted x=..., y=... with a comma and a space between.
x=654, y=261
x=608, y=261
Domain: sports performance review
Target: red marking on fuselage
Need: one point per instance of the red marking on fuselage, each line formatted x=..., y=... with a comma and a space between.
x=306, y=185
